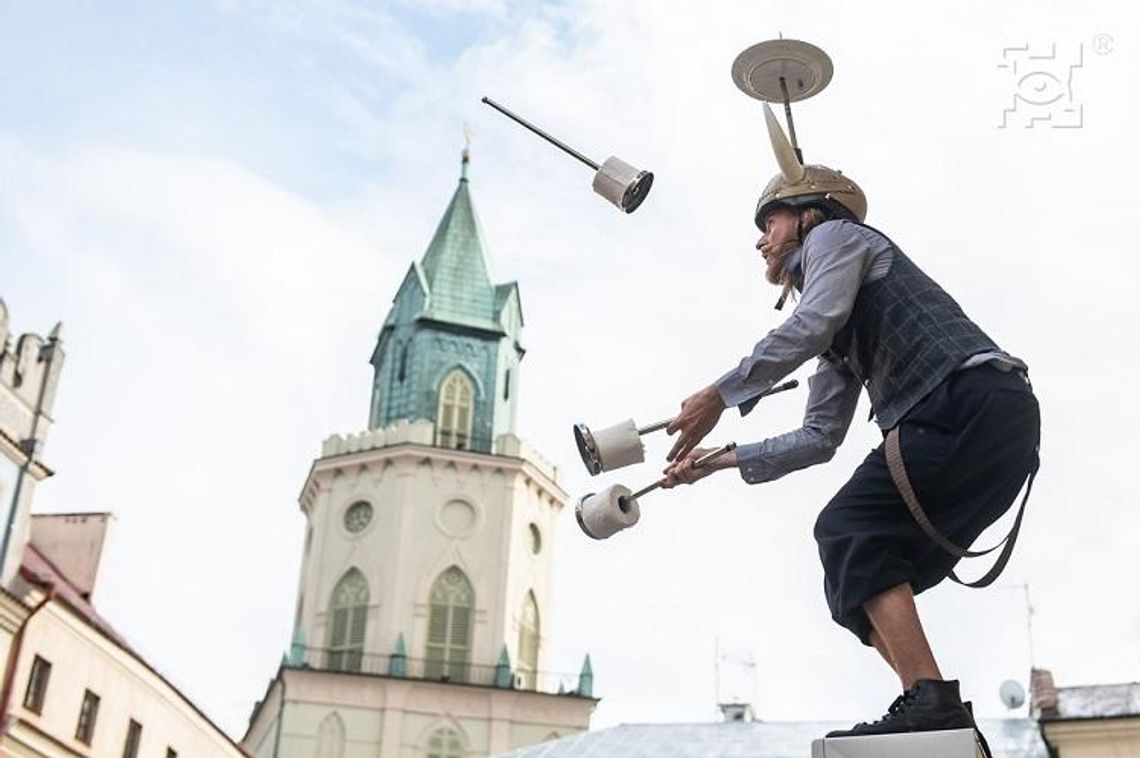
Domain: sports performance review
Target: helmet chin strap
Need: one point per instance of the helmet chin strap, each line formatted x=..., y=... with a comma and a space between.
x=799, y=239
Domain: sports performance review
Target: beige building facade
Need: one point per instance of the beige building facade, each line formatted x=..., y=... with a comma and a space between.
x=72, y=686
x=1090, y=721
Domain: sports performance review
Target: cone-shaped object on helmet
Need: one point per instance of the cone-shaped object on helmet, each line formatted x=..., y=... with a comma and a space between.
x=801, y=186
x=790, y=167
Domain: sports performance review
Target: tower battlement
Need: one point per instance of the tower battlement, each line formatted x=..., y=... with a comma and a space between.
x=423, y=433
x=29, y=374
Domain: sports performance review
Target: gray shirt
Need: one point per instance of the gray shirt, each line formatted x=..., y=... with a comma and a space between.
x=835, y=260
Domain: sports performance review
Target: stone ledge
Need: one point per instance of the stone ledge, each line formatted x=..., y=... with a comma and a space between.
x=951, y=743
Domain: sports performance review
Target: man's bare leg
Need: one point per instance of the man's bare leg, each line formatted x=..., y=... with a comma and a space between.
x=899, y=635
x=927, y=705
x=877, y=641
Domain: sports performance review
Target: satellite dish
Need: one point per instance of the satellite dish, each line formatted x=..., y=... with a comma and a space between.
x=1012, y=694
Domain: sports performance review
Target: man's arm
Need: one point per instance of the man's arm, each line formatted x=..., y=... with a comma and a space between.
x=833, y=393
x=836, y=257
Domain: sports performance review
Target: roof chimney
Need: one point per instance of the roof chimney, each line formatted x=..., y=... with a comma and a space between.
x=1043, y=693
x=736, y=712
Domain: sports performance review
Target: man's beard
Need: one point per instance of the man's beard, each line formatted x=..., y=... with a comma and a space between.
x=774, y=253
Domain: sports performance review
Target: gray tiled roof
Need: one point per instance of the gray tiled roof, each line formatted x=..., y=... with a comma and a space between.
x=1098, y=701
x=1008, y=738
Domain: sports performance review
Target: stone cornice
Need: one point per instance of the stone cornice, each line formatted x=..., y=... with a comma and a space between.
x=414, y=453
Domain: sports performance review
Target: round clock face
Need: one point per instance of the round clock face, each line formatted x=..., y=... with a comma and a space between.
x=358, y=516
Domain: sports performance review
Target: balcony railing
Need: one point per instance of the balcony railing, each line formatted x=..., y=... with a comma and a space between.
x=499, y=676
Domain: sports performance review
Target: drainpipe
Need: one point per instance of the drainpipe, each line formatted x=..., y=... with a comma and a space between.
x=1049, y=747
x=13, y=656
x=47, y=354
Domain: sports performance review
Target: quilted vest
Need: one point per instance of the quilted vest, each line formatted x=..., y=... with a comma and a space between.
x=904, y=336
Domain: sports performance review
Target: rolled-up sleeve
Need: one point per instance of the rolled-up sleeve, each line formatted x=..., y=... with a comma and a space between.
x=835, y=259
x=833, y=393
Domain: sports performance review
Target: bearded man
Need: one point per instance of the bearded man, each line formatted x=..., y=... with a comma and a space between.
x=959, y=418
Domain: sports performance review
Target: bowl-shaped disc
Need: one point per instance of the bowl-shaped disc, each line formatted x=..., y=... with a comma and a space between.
x=804, y=67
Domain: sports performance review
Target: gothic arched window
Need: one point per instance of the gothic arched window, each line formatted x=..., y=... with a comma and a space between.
x=528, y=642
x=330, y=737
x=456, y=411
x=348, y=610
x=445, y=743
x=449, y=626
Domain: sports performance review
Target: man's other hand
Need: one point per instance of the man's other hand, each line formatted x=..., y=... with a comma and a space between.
x=683, y=472
x=699, y=414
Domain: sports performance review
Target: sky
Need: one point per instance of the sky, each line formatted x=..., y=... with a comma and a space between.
x=219, y=200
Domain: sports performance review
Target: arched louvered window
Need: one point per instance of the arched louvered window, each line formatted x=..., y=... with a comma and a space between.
x=528, y=642
x=348, y=611
x=445, y=743
x=449, y=626
x=456, y=411
x=330, y=737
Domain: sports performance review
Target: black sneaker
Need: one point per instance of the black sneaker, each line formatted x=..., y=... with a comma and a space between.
x=929, y=706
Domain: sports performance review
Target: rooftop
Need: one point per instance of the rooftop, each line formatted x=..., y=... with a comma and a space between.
x=1008, y=738
x=1097, y=701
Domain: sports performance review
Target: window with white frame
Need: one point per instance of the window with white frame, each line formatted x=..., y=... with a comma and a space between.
x=348, y=613
x=449, y=626
x=88, y=713
x=528, y=642
x=37, y=684
x=134, y=737
x=456, y=411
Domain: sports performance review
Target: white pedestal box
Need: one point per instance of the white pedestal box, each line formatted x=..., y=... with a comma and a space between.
x=951, y=743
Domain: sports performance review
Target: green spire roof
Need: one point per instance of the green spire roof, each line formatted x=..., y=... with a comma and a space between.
x=456, y=268
x=448, y=315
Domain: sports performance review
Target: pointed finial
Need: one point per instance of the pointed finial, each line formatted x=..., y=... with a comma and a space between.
x=468, y=133
x=398, y=662
x=297, y=648
x=586, y=679
x=503, y=670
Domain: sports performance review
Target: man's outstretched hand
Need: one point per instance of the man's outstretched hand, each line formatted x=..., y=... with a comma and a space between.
x=699, y=414
x=682, y=470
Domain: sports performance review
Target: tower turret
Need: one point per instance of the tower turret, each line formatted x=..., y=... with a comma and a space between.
x=450, y=348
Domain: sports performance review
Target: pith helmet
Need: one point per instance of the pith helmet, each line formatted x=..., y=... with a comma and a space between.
x=802, y=186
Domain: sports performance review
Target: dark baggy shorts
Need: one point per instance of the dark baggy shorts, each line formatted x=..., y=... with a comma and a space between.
x=968, y=448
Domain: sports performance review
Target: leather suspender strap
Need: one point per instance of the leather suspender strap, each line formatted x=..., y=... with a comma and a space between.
x=895, y=464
